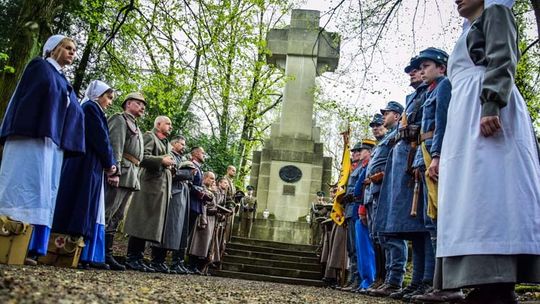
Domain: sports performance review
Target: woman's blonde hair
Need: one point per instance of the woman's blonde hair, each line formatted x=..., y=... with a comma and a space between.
x=61, y=44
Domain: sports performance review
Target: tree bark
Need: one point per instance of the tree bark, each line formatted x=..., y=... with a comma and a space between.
x=536, y=7
x=83, y=64
x=30, y=31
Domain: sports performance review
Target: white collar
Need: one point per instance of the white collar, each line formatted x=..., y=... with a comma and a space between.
x=54, y=64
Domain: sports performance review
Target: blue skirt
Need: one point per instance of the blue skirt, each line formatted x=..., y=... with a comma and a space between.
x=39, y=240
x=94, y=249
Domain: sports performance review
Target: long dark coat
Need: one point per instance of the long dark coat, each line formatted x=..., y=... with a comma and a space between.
x=177, y=212
x=145, y=217
x=82, y=178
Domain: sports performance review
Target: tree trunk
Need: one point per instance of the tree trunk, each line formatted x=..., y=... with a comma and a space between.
x=246, y=146
x=536, y=7
x=83, y=64
x=30, y=31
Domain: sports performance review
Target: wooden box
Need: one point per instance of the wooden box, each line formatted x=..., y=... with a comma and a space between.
x=63, y=251
x=14, y=240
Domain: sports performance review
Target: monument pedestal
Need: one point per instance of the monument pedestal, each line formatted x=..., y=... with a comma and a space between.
x=291, y=168
x=287, y=174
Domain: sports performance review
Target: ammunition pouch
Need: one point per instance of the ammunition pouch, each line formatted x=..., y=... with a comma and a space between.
x=410, y=133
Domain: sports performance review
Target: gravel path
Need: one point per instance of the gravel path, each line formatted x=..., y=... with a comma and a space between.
x=45, y=284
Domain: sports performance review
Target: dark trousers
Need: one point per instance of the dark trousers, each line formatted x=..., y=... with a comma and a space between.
x=135, y=249
x=187, y=232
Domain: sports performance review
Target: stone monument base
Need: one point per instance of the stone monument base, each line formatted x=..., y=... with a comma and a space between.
x=279, y=231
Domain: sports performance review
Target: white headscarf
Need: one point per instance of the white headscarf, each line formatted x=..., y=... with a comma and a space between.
x=51, y=43
x=95, y=89
x=507, y=3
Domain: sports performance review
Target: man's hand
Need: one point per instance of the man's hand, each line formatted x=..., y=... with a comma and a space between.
x=167, y=161
x=111, y=170
x=113, y=180
x=433, y=170
x=489, y=125
x=416, y=173
x=363, y=219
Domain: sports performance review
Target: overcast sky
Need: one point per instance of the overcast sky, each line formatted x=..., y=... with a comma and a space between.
x=436, y=24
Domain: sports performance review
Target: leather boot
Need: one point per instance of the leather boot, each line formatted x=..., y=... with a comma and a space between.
x=109, y=258
x=439, y=296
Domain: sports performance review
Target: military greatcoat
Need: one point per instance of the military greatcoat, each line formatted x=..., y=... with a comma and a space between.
x=396, y=194
x=145, y=217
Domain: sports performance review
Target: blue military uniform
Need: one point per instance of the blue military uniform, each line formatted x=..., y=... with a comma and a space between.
x=434, y=112
x=394, y=250
x=397, y=190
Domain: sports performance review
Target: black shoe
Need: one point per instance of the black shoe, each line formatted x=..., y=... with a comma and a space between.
x=399, y=294
x=420, y=290
x=83, y=265
x=136, y=265
x=113, y=264
x=101, y=266
x=148, y=267
x=195, y=270
x=160, y=267
x=177, y=269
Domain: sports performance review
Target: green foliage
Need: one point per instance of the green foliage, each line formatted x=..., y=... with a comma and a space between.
x=4, y=68
x=528, y=68
x=219, y=156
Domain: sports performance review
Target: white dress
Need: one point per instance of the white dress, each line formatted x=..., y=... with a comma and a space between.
x=489, y=187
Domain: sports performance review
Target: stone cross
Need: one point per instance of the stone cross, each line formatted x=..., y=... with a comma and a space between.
x=304, y=51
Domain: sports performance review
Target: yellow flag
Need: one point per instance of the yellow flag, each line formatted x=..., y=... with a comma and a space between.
x=338, y=212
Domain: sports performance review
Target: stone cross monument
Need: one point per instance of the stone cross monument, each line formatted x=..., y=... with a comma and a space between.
x=291, y=168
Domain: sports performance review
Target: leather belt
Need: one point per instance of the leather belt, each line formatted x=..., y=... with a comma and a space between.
x=132, y=159
x=426, y=136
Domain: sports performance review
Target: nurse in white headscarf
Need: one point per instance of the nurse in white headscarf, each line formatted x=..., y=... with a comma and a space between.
x=489, y=185
x=80, y=204
x=42, y=125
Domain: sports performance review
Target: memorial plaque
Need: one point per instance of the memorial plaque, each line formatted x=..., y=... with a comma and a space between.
x=289, y=190
x=290, y=174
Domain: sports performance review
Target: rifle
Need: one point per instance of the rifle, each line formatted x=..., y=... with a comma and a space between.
x=416, y=194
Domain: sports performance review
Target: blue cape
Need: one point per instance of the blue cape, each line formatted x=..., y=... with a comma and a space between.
x=39, y=108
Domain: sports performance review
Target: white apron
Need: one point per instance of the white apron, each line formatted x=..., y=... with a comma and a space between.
x=29, y=178
x=489, y=187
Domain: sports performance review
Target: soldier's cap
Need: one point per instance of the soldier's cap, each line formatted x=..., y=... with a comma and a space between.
x=413, y=65
x=377, y=120
x=239, y=193
x=187, y=165
x=249, y=187
x=393, y=106
x=134, y=96
x=431, y=53
x=364, y=144
x=320, y=193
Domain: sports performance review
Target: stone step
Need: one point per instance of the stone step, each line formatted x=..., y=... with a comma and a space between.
x=272, y=263
x=264, y=249
x=271, y=256
x=271, y=244
x=272, y=271
x=267, y=278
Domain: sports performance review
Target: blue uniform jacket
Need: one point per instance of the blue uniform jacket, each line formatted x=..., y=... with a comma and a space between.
x=434, y=112
x=394, y=206
x=350, y=208
x=40, y=108
x=196, y=203
x=378, y=163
